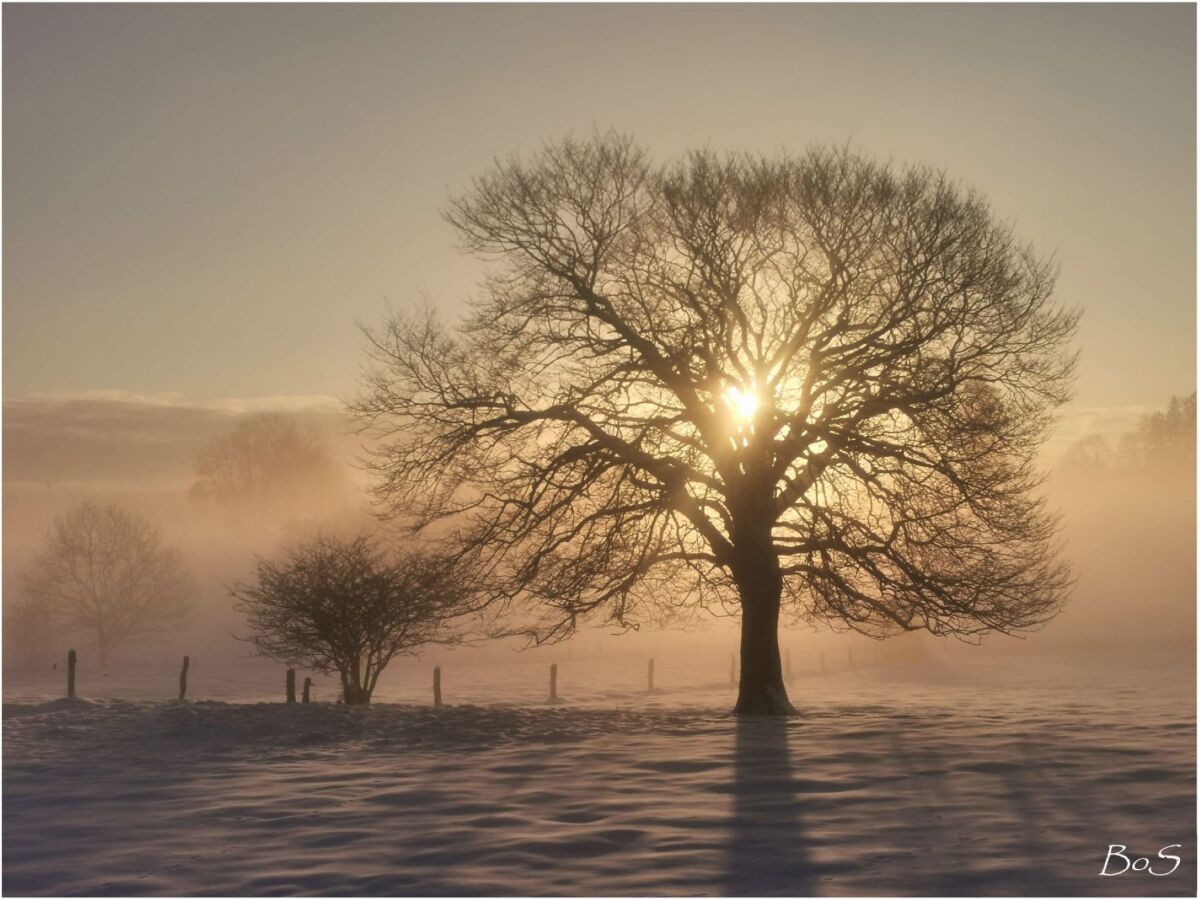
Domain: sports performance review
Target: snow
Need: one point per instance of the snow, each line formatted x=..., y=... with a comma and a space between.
x=943, y=779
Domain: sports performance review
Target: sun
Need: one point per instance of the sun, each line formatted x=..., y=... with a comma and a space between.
x=742, y=403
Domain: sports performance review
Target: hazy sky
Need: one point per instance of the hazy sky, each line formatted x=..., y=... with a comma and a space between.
x=204, y=200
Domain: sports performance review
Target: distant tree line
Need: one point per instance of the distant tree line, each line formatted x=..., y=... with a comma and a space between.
x=1162, y=441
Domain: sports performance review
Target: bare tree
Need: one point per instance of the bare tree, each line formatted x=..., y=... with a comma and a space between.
x=269, y=464
x=105, y=568
x=812, y=384
x=346, y=606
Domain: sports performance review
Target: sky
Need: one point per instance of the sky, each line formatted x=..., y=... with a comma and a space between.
x=201, y=203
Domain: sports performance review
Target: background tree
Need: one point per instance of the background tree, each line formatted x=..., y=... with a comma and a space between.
x=346, y=606
x=815, y=384
x=1163, y=438
x=1162, y=443
x=105, y=568
x=269, y=464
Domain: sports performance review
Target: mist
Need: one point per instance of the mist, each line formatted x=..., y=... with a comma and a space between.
x=1128, y=534
x=588, y=449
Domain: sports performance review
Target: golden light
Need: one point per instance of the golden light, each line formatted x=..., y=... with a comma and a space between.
x=742, y=403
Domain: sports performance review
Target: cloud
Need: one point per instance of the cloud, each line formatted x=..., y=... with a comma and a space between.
x=115, y=440
x=276, y=403
x=118, y=440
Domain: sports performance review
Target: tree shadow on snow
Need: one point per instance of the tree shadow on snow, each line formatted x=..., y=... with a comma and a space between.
x=766, y=853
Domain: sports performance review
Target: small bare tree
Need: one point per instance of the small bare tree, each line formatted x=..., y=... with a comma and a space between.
x=347, y=606
x=105, y=568
x=814, y=385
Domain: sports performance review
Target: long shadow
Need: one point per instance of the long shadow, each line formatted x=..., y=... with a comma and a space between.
x=930, y=825
x=767, y=854
x=1071, y=870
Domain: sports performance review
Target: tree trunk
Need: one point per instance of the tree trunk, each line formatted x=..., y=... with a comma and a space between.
x=761, y=690
x=354, y=694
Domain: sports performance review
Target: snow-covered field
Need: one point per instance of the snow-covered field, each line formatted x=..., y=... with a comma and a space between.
x=943, y=779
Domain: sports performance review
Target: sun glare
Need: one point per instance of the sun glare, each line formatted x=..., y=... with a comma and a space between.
x=742, y=403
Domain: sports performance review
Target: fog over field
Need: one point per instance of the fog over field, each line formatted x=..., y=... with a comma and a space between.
x=586, y=449
x=998, y=765
x=1130, y=539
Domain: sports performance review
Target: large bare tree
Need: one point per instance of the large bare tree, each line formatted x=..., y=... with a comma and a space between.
x=106, y=569
x=814, y=383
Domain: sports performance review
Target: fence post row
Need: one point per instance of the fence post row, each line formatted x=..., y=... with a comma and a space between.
x=437, y=677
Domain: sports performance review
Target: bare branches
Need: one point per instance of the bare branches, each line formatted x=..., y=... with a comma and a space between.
x=105, y=568
x=898, y=346
x=268, y=464
x=347, y=607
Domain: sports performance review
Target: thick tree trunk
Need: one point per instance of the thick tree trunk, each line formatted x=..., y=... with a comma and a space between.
x=354, y=694
x=761, y=691
x=354, y=691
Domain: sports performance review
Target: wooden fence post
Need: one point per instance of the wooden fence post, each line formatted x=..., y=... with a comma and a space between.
x=291, y=685
x=553, y=682
x=650, y=677
x=437, y=687
x=304, y=697
x=71, y=673
x=183, y=678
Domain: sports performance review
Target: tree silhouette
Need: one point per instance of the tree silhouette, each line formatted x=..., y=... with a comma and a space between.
x=814, y=384
x=268, y=464
x=346, y=606
x=105, y=568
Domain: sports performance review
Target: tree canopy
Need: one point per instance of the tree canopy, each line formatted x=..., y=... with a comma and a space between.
x=815, y=383
x=106, y=569
x=269, y=464
x=348, y=606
